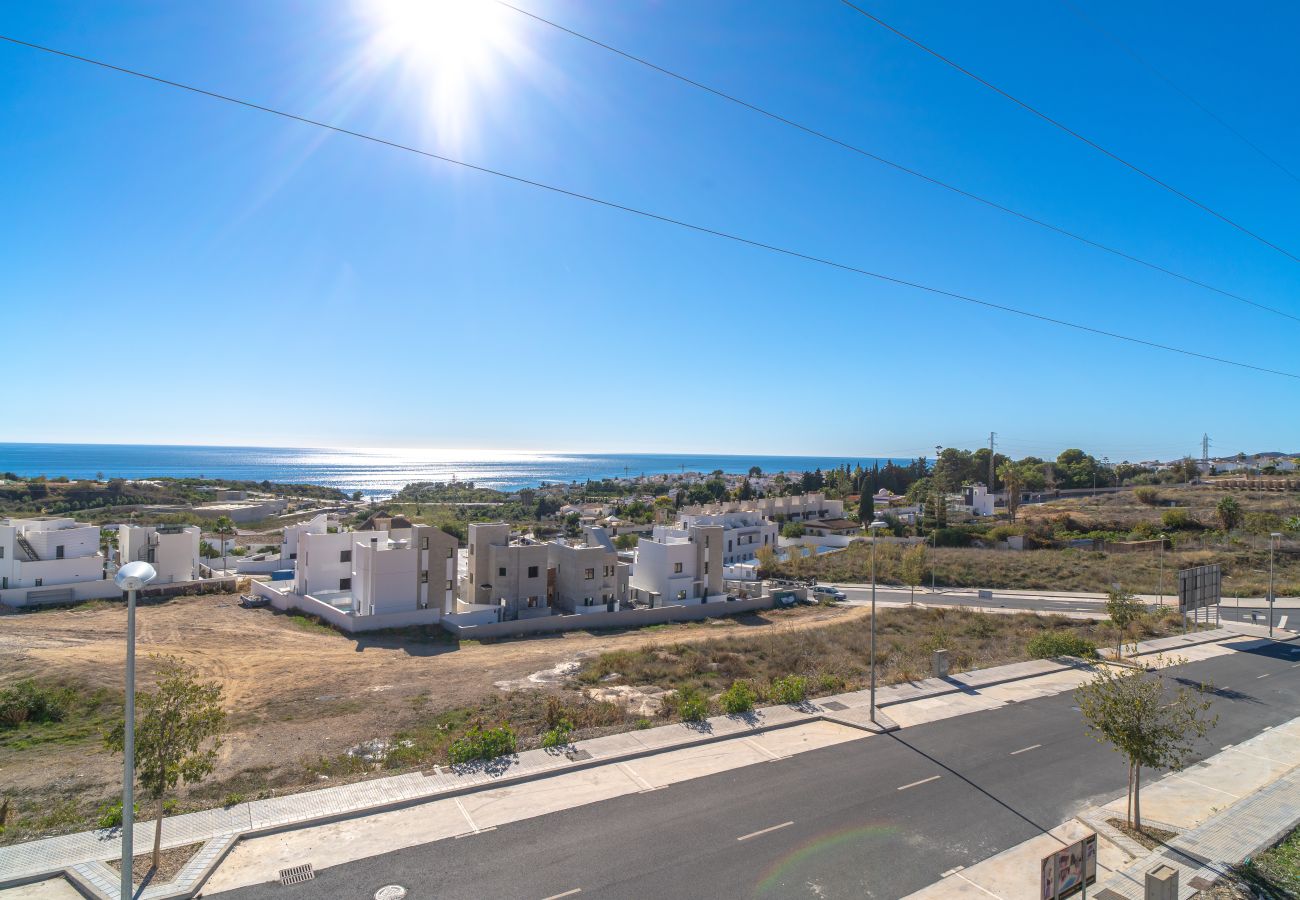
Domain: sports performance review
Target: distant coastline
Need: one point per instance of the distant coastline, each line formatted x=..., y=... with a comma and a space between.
x=379, y=473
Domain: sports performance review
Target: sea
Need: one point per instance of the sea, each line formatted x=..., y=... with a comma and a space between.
x=380, y=473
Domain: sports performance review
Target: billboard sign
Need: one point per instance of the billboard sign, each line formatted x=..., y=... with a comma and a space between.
x=1069, y=870
x=1199, y=587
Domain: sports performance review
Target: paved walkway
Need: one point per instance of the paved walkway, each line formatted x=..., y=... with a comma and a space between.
x=80, y=855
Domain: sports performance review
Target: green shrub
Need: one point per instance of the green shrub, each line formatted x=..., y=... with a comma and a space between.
x=1148, y=495
x=739, y=698
x=28, y=701
x=792, y=530
x=232, y=799
x=1178, y=518
x=110, y=814
x=689, y=703
x=482, y=743
x=790, y=689
x=952, y=537
x=1049, y=644
x=559, y=735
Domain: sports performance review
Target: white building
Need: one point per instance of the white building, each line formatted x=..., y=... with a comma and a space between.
x=173, y=550
x=976, y=500
x=799, y=507
x=743, y=533
x=586, y=577
x=321, y=523
x=386, y=567
x=48, y=550
x=678, y=566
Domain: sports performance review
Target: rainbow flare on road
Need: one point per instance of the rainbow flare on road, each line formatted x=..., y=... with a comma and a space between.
x=810, y=849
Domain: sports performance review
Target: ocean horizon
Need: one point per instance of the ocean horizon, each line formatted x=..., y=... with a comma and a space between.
x=380, y=472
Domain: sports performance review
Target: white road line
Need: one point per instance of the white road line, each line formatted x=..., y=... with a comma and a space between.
x=645, y=785
x=1281, y=623
x=1225, y=746
x=464, y=812
x=922, y=781
x=1265, y=675
x=953, y=871
x=977, y=886
x=752, y=834
x=565, y=894
x=1026, y=749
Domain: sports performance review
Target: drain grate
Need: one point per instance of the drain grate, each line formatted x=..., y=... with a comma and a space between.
x=297, y=874
x=833, y=704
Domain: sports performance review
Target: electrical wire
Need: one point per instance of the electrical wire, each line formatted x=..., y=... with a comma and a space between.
x=1072, y=133
x=1110, y=36
x=609, y=204
x=821, y=135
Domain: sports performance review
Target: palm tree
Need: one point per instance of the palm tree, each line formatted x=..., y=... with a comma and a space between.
x=107, y=540
x=224, y=527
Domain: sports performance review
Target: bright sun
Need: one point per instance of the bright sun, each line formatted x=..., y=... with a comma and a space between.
x=452, y=52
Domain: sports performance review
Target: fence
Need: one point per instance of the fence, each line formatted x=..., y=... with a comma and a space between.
x=628, y=618
x=102, y=589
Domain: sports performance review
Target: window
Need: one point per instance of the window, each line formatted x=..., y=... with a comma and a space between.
x=728, y=546
x=345, y=584
x=424, y=577
x=2, y=552
x=451, y=552
x=40, y=581
x=532, y=571
x=58, y=552
x=345, y=556
x=681, y=595
x=293, y=555
x=532, y=603
x=587, y=601
x=677, y=568
x=589, y=574
x=609, y=571
x=448, y=584
x=424, y=543
x=501, y=572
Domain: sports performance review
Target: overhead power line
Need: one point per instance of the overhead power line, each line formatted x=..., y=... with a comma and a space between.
x=668, y=220
x=1072, y=133
x=1110, y=36
x=846, y=145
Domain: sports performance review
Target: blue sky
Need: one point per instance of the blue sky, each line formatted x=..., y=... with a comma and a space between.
x=249, y=280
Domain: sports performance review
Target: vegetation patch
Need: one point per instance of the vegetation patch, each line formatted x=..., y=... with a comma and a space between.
x=1275, y=872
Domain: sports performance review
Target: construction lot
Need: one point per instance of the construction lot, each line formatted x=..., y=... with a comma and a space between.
x=297, y=693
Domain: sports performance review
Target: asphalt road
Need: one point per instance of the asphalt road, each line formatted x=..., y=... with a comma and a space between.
x=879, y=817
x=1285, y=615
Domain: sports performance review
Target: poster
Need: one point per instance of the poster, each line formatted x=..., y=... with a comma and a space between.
x=1068, y=870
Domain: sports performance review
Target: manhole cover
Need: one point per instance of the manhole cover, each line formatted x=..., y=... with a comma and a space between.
x=390, y=892
x=297, y=874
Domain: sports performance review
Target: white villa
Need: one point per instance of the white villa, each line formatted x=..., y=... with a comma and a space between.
x=48, y=551
x=173, y=550
x=743, y=533
x=679, y=566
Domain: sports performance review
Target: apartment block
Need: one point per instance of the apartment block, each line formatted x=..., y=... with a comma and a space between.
x=510, y=574
x=678, y=566
x=48, y=550
x=172, y=550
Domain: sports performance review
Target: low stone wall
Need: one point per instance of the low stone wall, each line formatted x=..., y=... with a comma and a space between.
x=286, y=600
x=105, y=589
x=629, y=618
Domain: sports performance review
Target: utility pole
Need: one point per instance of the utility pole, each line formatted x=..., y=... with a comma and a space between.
x=1205, y=452
x=992, y=436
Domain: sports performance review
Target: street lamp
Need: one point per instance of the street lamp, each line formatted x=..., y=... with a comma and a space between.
x=874, y=527
x=1272, y=538
x=130, y=578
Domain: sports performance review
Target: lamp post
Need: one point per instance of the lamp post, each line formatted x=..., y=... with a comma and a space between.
x=130, y=578
x=1272, y=539
x=874, y=527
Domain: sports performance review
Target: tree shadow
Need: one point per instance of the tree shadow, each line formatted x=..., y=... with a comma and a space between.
x=1223, y=692
x=494, y=768
x=701, y=727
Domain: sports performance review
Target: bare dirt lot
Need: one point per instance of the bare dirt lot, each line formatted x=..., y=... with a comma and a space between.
x=295, y=691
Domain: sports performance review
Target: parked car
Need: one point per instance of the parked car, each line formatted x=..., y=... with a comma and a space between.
x=253, y=601
x=826, y=590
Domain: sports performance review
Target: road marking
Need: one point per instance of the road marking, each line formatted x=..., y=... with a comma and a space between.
x=953, y=871
x=1281, y=623
x=753, y=834
x=1026, y=749
x=565, y=894
x=464, y=812
x=645, y=785
x=922, y=781
x=1225, y=746
x=1265, y=675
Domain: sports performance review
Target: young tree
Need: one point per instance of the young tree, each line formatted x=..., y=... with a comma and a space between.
x=1229, y=512
x=913, y=567
x=177, y=733
x=224, y=527
x=767, y=562
x=1124, y=610
x=1134, y=712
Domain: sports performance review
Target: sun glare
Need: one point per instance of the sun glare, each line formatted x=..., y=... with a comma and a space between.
x=452, y=53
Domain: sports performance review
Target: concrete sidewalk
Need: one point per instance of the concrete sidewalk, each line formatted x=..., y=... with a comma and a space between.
x=80, y=856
